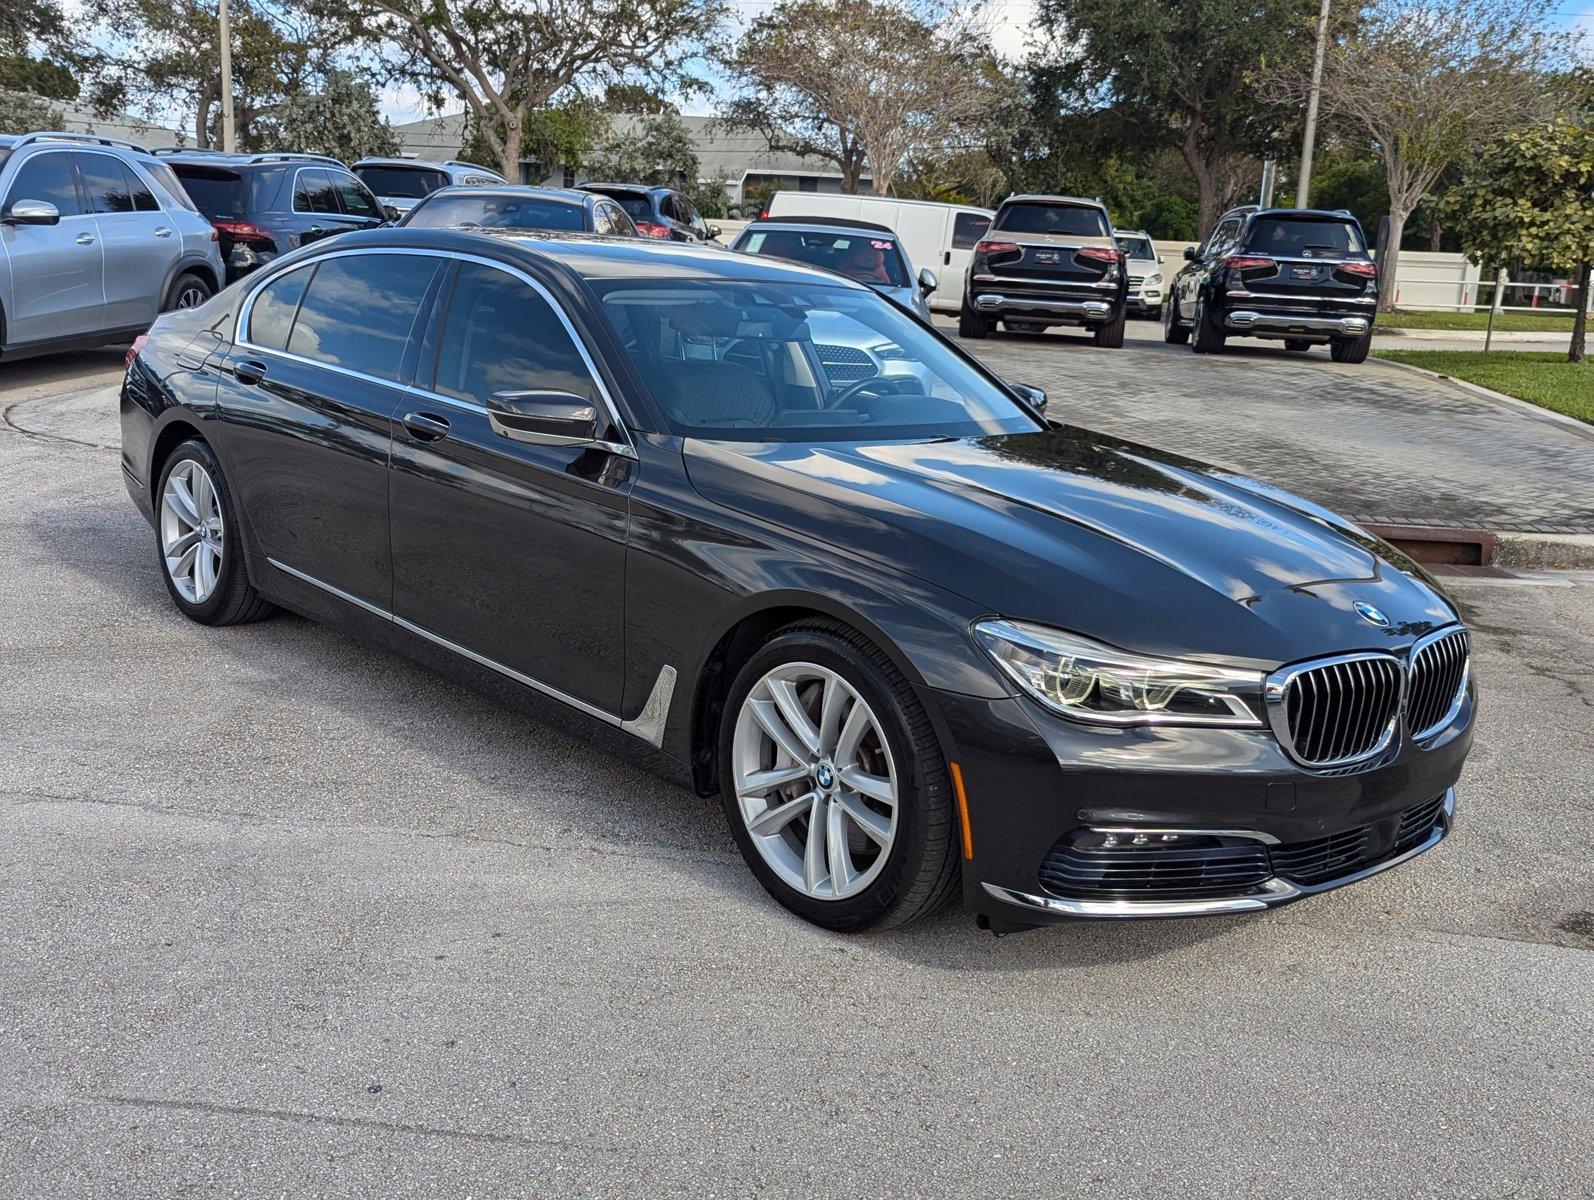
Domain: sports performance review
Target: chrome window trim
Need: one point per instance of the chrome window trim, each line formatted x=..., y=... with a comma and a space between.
x=1456, y=701
x=648, y=724
x=1276, y=689
x=625, y=446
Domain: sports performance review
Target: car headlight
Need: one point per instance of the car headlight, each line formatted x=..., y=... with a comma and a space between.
x=1154, y=278
x=891, y=351
x=1087, y=681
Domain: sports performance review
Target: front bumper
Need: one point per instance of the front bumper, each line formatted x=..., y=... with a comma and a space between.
x=1033, y=782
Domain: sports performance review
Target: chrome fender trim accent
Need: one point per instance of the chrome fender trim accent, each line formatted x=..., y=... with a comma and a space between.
x=650, y=722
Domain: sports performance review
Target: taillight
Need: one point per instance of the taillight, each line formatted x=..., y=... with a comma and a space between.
x=1104, y=254
x=1366, y=270
x=989, y=246
x=1248, y=262
x=139, y=343
x=652, y=229
x=215, y=234
x=243, y=231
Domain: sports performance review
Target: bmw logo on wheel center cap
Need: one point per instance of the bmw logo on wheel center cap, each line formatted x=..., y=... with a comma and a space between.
x=825, y=777
x=1374, y=616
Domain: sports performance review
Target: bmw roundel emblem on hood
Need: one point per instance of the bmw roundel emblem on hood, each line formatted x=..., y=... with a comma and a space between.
x=1374, y=616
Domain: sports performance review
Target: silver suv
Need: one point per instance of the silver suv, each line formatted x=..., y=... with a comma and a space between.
x=97, y=238
x=399, y=183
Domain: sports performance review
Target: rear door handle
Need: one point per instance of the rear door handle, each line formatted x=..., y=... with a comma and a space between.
x=249, y=370
x=85, y=239
x=163, y=232
x=424, y=427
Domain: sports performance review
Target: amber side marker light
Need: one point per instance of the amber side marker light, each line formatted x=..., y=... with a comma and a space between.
x=963, y=809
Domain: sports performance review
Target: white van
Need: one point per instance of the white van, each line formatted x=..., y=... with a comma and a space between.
x=938, y=236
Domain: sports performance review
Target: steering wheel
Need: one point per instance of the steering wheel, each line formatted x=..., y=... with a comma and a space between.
x=875, y=385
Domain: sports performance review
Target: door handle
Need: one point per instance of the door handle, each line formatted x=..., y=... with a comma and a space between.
x=424, y=427
x=946, y=259
x=163, y=232
x=316, y=229
x=249, y=370
x=84, y=239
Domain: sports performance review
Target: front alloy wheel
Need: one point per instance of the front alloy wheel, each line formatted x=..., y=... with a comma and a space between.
x=814, y=780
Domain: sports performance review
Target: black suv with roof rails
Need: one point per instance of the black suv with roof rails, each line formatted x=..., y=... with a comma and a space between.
x=264, y=205
x=1302, y=275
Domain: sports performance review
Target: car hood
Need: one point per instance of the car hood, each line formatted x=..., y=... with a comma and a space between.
x=1133, y=546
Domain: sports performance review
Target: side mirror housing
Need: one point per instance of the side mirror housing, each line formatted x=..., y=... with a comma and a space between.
x=547, y=418
x=392, y=214
x=713, y=233
x=33, y=212
x=1189, y=254
x=927, y=280
x=1034, y=395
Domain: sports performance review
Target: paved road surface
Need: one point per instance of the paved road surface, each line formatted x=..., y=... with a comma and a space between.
x=282, y=915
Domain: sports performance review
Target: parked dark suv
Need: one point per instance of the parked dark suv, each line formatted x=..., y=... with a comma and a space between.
x=1047, y=260
x=658, y=212
x=1302, y=275
x=264, y=205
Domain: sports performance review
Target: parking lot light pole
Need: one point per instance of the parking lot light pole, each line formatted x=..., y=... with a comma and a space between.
x=1303, y=189
x=229, y=140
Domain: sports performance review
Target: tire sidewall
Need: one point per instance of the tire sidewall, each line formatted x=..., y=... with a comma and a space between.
x=231, y=540
x=877, y=901
x=179, y=285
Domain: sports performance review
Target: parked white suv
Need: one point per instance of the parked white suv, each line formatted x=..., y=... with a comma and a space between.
x=402, y=183
x=1146, y=285
x=97, y=238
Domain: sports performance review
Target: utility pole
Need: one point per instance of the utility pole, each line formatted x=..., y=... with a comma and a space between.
x=1270, y=172
x=229, y=137
x=1303, y=188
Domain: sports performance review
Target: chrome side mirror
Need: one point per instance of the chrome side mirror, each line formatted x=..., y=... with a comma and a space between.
x=713, y=233
x=33, y=212
x=927, y=280
x=547, y=418
x=1034, y=395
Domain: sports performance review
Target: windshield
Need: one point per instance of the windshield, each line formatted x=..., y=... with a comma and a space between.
x=871, y=258
x=1136, y=247
x=1298, y=237
x=781, y=362
x=402, y=183
x=497, y=212
x=1072, y=219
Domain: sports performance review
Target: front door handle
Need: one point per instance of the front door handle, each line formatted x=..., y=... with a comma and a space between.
x=946, y=259
x=315, y=229
x=85, y=239
x=249, y=370
x=163, y=232
x=424, y=427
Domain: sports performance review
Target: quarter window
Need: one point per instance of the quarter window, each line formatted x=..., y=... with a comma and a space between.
x=313, y=192
x=47, y=177
x=271, y=317
x=359, y=309
x=500, y=335
x=968, y=228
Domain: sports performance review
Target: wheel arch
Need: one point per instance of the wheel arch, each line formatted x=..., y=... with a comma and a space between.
x=193, y=264
x=172, y=434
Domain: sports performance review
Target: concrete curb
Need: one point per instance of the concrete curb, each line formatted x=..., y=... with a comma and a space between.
x=1544, y=551
x=1559, y=420
x=1544, y=336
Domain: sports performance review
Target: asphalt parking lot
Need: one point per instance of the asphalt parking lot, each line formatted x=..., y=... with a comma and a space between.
x=285, y=915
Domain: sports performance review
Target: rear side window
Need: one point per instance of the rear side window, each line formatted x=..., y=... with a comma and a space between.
x=968, y=228
x=497, y=212
x=1069, y=220
x=402, y=183
x=111, y=187
x=500, y=335
x=313, y=192
x=358, y=311
x=47, y=177
x=1296, y=237
x=271, y=317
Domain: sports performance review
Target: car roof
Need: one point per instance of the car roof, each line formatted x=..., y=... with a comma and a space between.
x=1131, y=233
x=826, y=223
x=563, y=195
x=1333, y=214
x=642, y=188
x=426, y=164
x=1080, y=201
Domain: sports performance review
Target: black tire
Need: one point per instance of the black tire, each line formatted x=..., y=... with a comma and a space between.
x=1206, y=336
x=234, y=600
x=1297, y=344
x=921, y=872
x=1351, y=350
x=1111, y=335
x=187, y=291
x=972, y=324
x=1173, y=332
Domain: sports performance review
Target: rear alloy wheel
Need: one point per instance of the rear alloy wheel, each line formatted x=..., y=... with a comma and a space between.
x=1111, y=335
x=1173, y=332
x=1351, y=350
x=834, y=782
x=1207, y=337
x=187, y=291
x=197, y=531
x=972, y=324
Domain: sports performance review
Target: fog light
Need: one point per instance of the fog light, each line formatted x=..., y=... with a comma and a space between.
x=1128, y=839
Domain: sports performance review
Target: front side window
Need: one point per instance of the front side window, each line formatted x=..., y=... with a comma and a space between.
x=871, y=258
x=358, y=310
x=780, y=362
x=402, y=183
x=496, y=212
x=111, y=187
x=46, y=177
x=968, y=228
x=501, y=335
x=354, y=198
x=1295, y=237
x=1066, y=220
x=313, y=192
